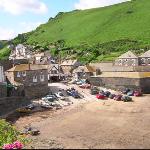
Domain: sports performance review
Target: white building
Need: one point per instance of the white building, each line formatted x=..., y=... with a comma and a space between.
x=2, y=79
x=20, y=52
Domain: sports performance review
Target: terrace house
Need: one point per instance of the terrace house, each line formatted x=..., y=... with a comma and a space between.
x=29, y=80
x=145, y=59
x=127, y=59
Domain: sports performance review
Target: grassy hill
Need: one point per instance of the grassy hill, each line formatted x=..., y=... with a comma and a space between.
x=96, y=34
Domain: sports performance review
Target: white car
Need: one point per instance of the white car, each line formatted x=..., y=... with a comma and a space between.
x=45, y=105
x=60, y=96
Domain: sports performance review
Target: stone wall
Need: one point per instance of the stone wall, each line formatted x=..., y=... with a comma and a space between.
x=3, y=90
x=110, y=67
x=7, y=64
x=36, y=91
x=119, y=83
x=8, y=105
x=28, y=79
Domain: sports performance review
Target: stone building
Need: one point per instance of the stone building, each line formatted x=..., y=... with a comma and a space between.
x=127, y=59
x=122, y=80
x=145, y=59
x=28, y=80
x=83, y=72
x=55, y=72
x=21, y=52
x=69, y=65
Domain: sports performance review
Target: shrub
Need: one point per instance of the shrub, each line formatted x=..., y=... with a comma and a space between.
x=9, y=136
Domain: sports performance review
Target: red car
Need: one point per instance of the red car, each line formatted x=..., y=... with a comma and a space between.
x=137, y=93
x=100, y=96
x=85, y=86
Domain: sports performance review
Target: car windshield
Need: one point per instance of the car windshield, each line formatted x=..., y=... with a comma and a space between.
x=61, y=94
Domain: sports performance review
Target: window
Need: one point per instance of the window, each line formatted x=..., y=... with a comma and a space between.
x=120, y=62
x=54, y=72
x=148, y=61
x=35, y=79
x=24, y=74
x=143, y=61
x=126, y=62
x=18, y=74
x=133, y=62
x=42, y=78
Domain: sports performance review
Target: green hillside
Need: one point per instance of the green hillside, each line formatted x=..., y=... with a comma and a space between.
x=96, y=34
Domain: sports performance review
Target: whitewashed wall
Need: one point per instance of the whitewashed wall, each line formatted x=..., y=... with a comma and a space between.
x=1, y=74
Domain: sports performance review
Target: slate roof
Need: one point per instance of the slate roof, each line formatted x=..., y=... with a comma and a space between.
x=129, y=54
x=146, y=54
x=25, y=67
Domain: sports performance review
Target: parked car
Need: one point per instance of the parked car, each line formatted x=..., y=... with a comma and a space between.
x=131, y=93
x=107, y=93
x=125, y=91
x=137, y=93
x=31, y=106
x=85, y=86
x=46, y=105
x=60, y=96
x=126, y=99
x=100, y=96
x=50, y=98
x=80, y=82
x=69, y=92
x=75, y=94
x=118, y=97
x=94, y=91
x=111, y=96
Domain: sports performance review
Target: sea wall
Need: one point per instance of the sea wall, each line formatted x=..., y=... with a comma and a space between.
x=119, y=83
x=9, y=104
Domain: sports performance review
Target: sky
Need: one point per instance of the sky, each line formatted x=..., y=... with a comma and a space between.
x=20, y=16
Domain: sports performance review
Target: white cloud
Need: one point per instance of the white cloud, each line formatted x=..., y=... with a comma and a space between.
x=29, y=26
x=6, y=34
x=17, y=7
x=87, y=4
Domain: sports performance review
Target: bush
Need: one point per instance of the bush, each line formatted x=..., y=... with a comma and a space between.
x=9, y=135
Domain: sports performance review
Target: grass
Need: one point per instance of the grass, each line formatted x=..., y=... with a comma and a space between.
x=113, y=27
x=4, y=53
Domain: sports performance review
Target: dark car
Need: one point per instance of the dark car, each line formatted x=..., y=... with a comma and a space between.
x=69, y=92
x=101, y=92
x=126, y=99
x=107, y=93
x=111, y=96
x=75, y=94
x=125, y=91
x=94, y=91
x=131, y=93
x=118, y=98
